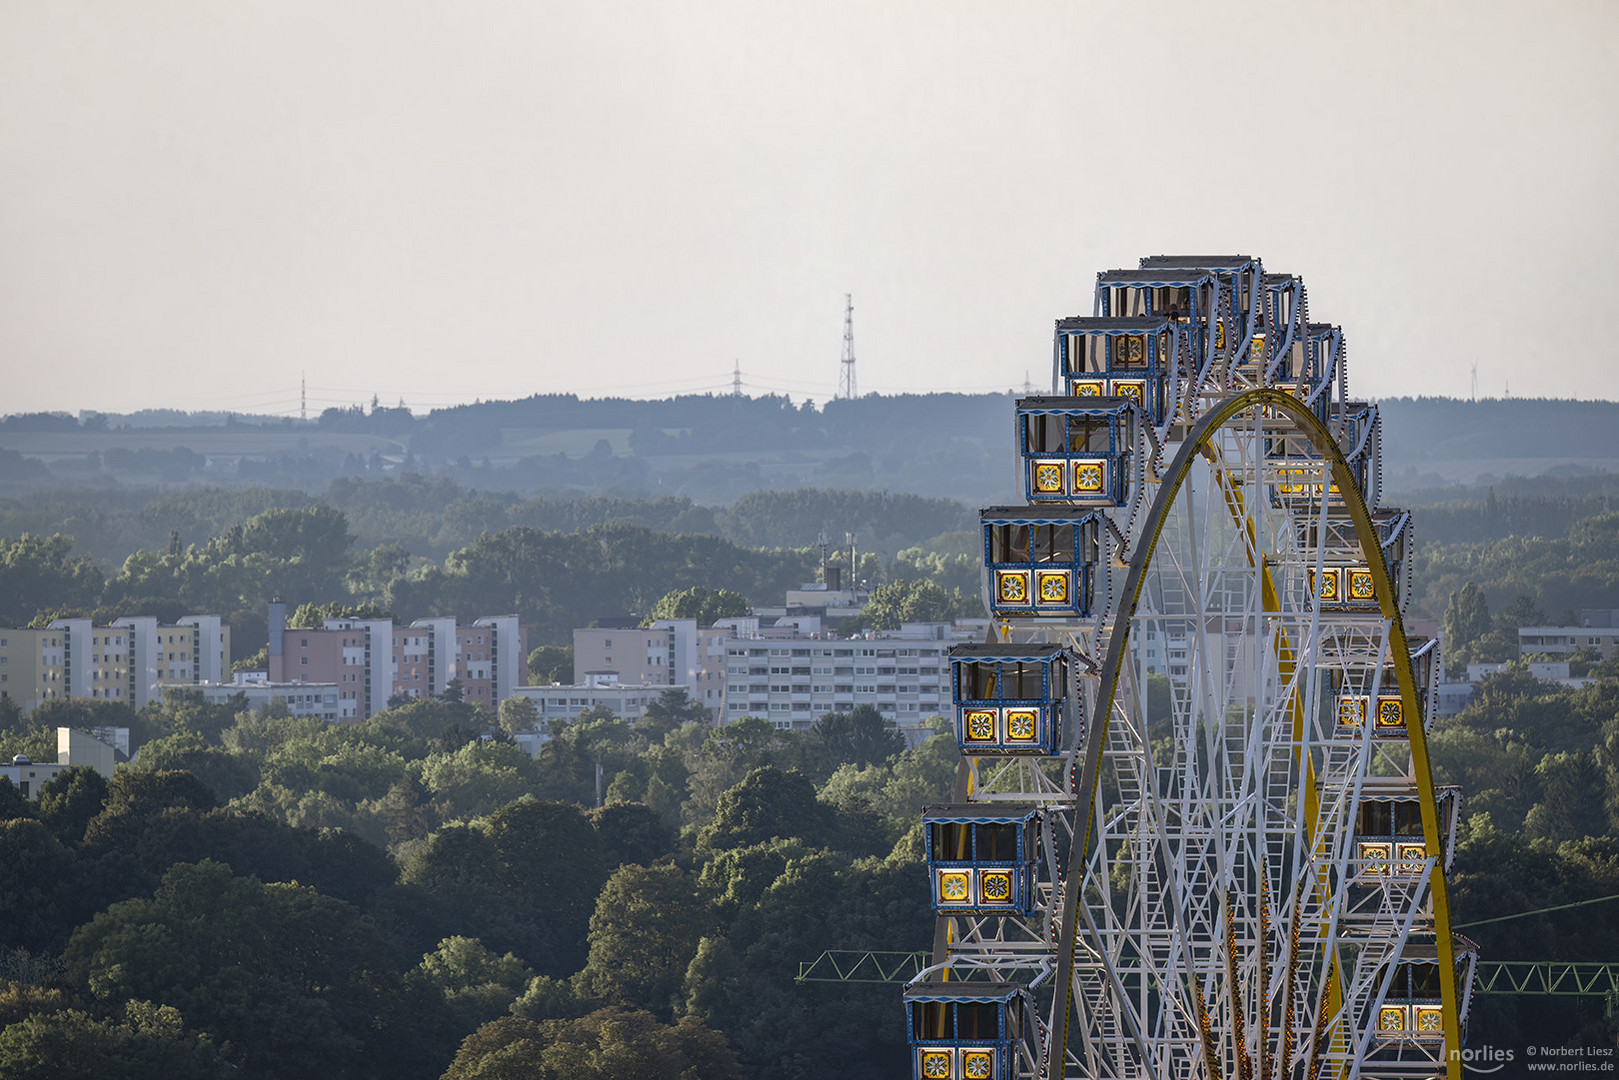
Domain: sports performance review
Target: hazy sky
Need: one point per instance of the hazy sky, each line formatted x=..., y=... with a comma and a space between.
x=448, y=201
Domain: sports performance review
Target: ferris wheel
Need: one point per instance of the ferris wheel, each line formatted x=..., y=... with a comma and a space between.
x=1194, y=831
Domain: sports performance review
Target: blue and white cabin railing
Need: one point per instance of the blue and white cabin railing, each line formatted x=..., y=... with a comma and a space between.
x=1388, y=829
x=1407, y=1006
x=1233, y=318
x=1187, y=296
x=1084, y=450
x=1042, y=560
x=1297, y=482
x=981, y=857
x=1136, y=358
x=970, y=1030
x=1310, y=369
x=1011, y=699
x=1282, y=323
x=1371, y=694
x=1344, y=582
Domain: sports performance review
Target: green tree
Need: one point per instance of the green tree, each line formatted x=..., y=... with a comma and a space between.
x=609, y=1044
x=631, y=832
x=767, y=804
x=477, y=984
x=549, y=664
x=916, y=601
x=313, y=616
x=1467, y=621
x=68, y=800
x=700, y=604
x=299, y=984
x=643, y=934
x=518, y=714
x=40, y=574
x=860, y=737
x=150, y=1042
x=672, y=708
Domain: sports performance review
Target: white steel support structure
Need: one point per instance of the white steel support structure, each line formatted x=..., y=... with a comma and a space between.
x=1242, y=851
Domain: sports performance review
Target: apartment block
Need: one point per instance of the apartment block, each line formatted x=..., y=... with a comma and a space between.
x=626, y=701
x=669, y=653
x=794, y=680
x=132, y=661
x=372, y=661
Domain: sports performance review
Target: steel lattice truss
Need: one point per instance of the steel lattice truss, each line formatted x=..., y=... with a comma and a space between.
x=1241, y=854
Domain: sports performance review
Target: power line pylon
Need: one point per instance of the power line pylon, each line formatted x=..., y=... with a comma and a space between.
x=846, y=382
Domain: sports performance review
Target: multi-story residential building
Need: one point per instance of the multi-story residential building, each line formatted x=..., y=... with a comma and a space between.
x=132, y=661
x=300, y=699
x=600, y=690
x=1567, y=640
x=372, y=661
x=794, y=680
x=671, y=652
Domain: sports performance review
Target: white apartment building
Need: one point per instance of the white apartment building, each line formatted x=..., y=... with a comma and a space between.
x=794, y=680
x=1567, y=640
x=602, y=689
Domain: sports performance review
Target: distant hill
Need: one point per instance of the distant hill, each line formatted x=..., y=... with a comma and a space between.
x=1467, y=440
x=712, y=449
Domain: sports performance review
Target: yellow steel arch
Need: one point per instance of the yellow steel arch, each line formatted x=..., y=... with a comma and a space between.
x=1200, y=440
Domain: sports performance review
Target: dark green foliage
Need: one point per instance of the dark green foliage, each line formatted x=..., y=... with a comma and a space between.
x=550, y=664
x=292, y=980
x=69, y=800
x=643, y=934
x=860, y=737
x=39, y=904
x=228, y=775
x=524, y=880
x=477, y=985
x=149, y=1042
x=13, y=803
x=769, y=804
x=631, y=832
x=672, y=708
x=610, y=1044
x=917, y=601
x=39, y=575
x=700, y=604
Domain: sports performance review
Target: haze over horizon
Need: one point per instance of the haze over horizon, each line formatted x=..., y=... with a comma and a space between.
x=443, y=203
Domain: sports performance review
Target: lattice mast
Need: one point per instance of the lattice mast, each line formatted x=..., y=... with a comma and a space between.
x=847, y=387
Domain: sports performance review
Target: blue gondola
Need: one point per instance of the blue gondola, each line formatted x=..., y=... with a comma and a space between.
x=1138, y=358
x=1344, y=582
x=1041, y=560
x=1388, y=831
x=968, y=1030
x=1359, y=430
x=1082, y=450
x=1385, y=708
x=1234, y=314
x=1010, y=699
x=981, y=857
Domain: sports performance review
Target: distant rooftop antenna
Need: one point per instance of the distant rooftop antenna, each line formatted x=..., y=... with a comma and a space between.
x=846, y=383
x=736, y=380
x=303, y=397
x=1028, y=387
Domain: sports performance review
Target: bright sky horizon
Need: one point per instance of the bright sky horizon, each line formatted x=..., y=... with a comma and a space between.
x=200, y=203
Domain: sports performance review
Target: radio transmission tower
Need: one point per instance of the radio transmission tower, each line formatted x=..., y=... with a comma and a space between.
x=846, y=383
